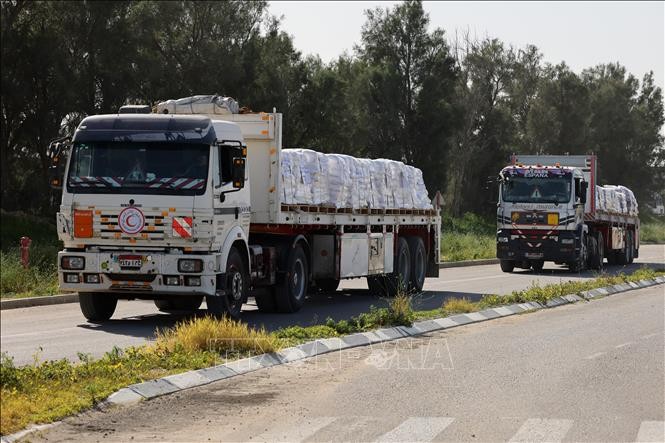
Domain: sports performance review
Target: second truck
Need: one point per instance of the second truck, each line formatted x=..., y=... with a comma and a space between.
x=551, y=209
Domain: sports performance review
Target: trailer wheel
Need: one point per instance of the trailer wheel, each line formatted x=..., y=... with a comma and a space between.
x=600, y=252
x=537, y=265
x=400, y=278
x=507, y=265
x=630, y=247
x=189, y=303
x=622, y=254
x=418, y=263
x=230, y=303
x=291, y=290
x=97, y=307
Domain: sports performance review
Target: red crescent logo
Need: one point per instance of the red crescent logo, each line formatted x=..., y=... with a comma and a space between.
x=131, y=220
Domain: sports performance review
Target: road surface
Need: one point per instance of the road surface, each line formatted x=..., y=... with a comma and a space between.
x=57, y=331
x=583, y=372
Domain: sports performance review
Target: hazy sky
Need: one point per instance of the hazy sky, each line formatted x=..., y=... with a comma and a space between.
x=581, y=34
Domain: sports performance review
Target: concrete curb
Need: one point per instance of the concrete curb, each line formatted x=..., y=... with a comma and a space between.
x=29, y=302
x=200, y=377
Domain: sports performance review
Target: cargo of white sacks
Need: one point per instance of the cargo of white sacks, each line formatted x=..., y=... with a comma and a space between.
x=340, y=181
x=616, y=200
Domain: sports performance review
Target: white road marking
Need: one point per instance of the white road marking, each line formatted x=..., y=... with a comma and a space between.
x=596, y=355
x=296, y=432
x=651, y=431
x=542, y=430
x=417, y=429
x=623, y=345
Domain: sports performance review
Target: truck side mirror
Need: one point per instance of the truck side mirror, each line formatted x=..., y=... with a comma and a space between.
x=238, y=173
x=57, y=153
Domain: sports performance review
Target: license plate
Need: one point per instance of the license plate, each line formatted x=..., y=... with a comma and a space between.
x=534, y=255
x=130, y=261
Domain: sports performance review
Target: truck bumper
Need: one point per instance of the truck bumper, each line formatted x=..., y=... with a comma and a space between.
x=562, y=247
x=158, y=274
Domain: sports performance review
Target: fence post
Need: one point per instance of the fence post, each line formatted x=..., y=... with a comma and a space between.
x=25, y=251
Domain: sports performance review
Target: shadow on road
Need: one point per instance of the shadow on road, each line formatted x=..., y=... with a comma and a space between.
x=339, y=305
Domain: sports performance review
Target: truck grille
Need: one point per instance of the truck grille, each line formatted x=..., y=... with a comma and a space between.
x=155, y=227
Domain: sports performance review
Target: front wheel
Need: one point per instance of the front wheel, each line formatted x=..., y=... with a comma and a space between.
x=580, y=263
x=230, y=301
x=97, y=307
x=507, y=265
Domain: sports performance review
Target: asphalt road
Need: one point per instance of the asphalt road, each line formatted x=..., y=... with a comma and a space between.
x=585, y=372
x=57, y=331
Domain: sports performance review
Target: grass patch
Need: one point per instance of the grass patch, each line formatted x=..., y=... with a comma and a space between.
x=470, y=237
x=45, y=392
x=42, y=277
x=652, y=229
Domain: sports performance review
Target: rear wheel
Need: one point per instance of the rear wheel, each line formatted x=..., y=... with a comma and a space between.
x=230, y=302
x=179, y=304
x=631, y=247
x=418, y=263
x=97, y=307
x=622, y=254
x=291, y=290
x=600, y=252
x=401, y=276
x=580, y=263
x=507, y=265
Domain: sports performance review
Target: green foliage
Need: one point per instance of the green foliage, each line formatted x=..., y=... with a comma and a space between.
x=652, y=229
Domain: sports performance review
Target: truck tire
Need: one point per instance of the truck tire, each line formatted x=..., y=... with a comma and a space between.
x=399, y=280
x=631, y=247
x=622, y=254
x=592, y=262
x=291, y=290
x=600, y=252
x=507, y=265
x=580, y=263
x=97, y=307
x=189, y=303
x=537, y=265
x=327, y=284
x=418, y=263
x=230, y=303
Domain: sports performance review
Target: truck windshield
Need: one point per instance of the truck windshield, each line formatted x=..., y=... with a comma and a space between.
x=536, y=190
x=138, y=168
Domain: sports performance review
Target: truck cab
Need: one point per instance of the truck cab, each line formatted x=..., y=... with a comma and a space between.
x=152, y=207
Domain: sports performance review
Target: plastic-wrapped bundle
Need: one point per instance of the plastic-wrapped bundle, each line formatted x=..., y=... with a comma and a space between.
x=199, y=104
x=631, y=201
x=616, y=200
x=341, y=181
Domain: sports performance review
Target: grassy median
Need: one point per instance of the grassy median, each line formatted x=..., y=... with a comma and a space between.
x=48, y=391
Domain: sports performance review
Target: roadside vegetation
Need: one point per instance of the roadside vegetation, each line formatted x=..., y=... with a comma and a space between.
x=469, y=237
x=652, y=229
x=43, y=392
x=41, y=277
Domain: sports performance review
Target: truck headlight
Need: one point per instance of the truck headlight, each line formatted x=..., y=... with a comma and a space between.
x=502, y=239
x=567, y=241
x=190, y=265
x=71, y=278
x=72, y=262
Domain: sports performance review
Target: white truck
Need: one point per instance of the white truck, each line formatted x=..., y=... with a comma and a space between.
x=174, y=208
x=551, y=209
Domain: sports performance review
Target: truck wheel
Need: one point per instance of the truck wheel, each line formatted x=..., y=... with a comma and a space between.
x=622, y=254
x=291, y=290
x=401, y=276
x=593, y=253
x=327, y=284
x=507, y=265
x=580, y=264
x=266, y=301
x=631, y=247
x=179, y=304
x=600, y=252
x=537, y=265
x=97, y=307
x=230, y=303
x=418, y=263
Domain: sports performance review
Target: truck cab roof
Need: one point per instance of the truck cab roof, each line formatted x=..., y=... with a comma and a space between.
x=146, y=127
